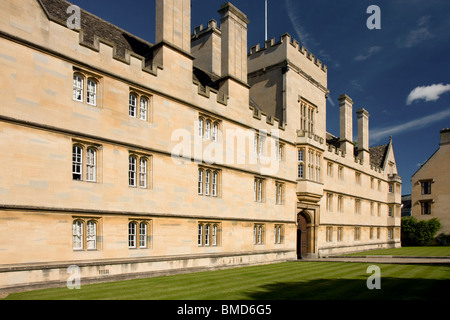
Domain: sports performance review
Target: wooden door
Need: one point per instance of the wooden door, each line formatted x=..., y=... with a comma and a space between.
x=302, y=237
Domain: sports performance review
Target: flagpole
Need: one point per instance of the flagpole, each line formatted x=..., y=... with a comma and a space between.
x=266, y=23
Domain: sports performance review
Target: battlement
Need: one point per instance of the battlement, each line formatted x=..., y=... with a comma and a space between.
x=200, y=30
x=340, y=152
x=293, y=44
x=271, y=120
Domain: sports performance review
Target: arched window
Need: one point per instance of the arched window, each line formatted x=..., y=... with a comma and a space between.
x=200, y=234
x=77, y=162
x=77, y=232
x=132, y=235
x=215, y=178
x=91, y=97
x=207, y=182
x=200, y=127
x=143, y=230
x=200, y=181
x=132, y=105
x=214, y=235
x=207, y=234
x=91, y=165
x=132, y=171
x=208, y=130
x=91, y=235
x=143, y=109
x=143, y=173
x=78, y=84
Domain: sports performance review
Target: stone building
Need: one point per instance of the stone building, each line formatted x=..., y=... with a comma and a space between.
x=126, y=158
x=431, y=186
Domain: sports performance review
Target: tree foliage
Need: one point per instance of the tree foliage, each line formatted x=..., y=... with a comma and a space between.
x=419, y=232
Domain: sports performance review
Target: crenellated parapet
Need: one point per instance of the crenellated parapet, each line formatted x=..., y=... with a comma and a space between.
x=293, y=44
x=271, y=120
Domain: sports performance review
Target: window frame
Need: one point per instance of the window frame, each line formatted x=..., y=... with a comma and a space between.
x=307, y=116
x=209, y=127
x=139, y=234
x=87, y=233
x=141, y=175
x=426, y=207
x=425, y=186
x=208, y=234
x=259, y=190
x=78, y=87
x=86, y=88
x=139, y=105
x=279, y=193
x=278, y=233
x=209, y=182
x=143, y=108
x=89, y=167
x=132, y=104
x=78, y=232
x=132, y=171
x=259, y=234
x=91, y=164
x=89, y=237
x=77, y=162
x=91, y=83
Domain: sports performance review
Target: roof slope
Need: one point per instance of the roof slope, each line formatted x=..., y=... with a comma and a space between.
x=92, y=26
x=378, y=155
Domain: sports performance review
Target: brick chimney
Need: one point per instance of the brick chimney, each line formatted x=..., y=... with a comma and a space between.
x=346, y=123
x=363, y=134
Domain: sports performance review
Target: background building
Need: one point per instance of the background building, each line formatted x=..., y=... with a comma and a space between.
x=127, y=158
x=431, y=186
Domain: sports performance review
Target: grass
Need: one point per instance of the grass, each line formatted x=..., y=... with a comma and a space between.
x=283, y=281
x=409, y=251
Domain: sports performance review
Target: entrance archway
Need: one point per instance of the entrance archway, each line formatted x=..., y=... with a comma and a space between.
x=303, y=234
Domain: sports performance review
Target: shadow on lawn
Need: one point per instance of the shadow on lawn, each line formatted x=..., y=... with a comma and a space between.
x=351, y=289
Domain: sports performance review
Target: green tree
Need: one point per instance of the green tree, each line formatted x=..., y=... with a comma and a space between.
x=419, y=233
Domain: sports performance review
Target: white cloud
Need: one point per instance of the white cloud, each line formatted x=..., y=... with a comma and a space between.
x=417, y=35
x=427, y=93
x=302, y=35
x=369, y=52
x=330, y=101
x=381, y=133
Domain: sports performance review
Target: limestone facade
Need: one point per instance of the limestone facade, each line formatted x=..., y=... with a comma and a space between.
x=127, y=158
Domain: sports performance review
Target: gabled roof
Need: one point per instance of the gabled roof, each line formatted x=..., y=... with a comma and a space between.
x=92, y=26
x=378, y=155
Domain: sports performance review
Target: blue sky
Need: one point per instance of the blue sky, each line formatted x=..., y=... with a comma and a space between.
x=399, y=73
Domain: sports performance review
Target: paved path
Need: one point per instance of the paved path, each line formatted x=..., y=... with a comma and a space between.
x=385, y=259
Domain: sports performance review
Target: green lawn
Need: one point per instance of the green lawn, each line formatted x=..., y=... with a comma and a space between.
x=410, y=251
x=286, y=281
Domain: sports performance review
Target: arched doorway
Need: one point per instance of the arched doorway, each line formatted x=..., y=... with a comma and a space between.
x=302, y=234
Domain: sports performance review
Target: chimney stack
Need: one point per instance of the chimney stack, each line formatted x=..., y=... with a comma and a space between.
x=206, y=48
x=445, y=136
x=234, y=43
x=173, y=24
x=363, y=134
x=346, y=123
